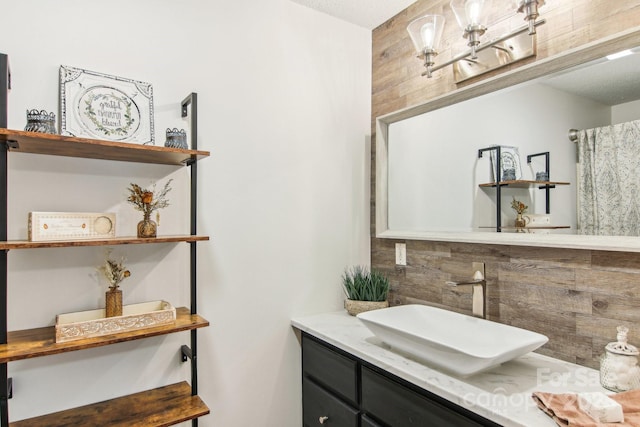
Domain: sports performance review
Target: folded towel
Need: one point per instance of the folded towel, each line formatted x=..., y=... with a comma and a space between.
x=563, y=408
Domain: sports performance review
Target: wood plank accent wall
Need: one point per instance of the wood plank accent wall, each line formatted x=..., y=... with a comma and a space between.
x=575, y=297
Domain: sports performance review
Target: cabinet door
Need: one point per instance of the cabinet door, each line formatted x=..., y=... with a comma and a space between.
x=333, y=370
x=398, y=406
x=368, y=422
x=319, y=407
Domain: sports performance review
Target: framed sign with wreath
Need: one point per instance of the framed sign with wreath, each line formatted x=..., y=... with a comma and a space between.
x=509, y=161
x=100, y=106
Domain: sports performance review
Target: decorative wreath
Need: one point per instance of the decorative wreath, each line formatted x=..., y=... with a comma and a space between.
x=120, y=131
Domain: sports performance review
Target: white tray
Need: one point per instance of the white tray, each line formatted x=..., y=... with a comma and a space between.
x=93, y=323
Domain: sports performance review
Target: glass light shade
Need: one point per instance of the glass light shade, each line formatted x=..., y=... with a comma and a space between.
x=521, y=3
x=426, y=32
x=471, y=13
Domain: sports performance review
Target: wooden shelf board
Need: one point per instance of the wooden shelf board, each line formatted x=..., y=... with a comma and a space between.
x=30, y=343
x=164, y=406
x=25, y=244
x=58, y=145
x=521, y=183
x=550, y=227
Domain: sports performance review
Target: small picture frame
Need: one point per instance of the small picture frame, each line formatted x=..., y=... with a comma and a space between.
x=509, y=163
x=99, y=106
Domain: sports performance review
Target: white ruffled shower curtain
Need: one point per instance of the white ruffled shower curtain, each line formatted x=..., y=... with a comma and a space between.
x=609, y=180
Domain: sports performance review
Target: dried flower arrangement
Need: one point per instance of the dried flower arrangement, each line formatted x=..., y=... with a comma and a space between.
x=518, y=206
x=146, y=200
x=114, y=271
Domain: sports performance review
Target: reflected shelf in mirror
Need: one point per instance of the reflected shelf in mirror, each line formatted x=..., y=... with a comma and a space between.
x=523, y=183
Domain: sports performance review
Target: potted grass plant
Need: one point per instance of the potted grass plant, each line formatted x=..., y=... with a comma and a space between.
x=365, y=289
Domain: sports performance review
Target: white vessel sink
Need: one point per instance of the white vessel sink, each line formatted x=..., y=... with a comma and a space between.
x=455, y=342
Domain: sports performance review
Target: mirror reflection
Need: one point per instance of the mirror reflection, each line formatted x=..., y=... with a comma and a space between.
x=435, y=176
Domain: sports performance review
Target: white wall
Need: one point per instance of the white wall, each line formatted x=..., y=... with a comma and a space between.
x=284, y=110
x=626, y=112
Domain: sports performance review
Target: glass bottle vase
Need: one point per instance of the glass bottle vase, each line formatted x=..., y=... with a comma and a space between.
x=520, y=223
x=147, y=228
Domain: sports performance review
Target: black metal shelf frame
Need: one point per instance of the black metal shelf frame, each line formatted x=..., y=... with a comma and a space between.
x=189, y=108
x=192, y=353
x=546, y=169
x=5, y=391
x=499, y=184
x=498, y=166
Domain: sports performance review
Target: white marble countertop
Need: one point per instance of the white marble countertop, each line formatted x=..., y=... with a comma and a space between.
x=502, y=394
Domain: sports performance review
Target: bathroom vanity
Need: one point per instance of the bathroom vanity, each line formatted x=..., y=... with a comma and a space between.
x=350, y=378
x=339, y=389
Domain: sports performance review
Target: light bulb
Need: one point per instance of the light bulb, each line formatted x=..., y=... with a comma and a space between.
x=426, y=32
x=471, y=13
x=428, y=35
x=473, y=9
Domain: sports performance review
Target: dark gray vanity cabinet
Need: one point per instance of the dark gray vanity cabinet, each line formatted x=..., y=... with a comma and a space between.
x=340, y=390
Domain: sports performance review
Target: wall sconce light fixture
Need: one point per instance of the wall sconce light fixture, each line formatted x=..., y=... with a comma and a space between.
x=472, y=20
x=426, y=31
x=530, y=9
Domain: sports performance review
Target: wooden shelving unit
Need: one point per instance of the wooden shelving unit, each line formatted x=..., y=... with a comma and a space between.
x=163, y=406
x=160, y=407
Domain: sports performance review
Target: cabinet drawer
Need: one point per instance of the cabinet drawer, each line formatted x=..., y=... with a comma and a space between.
x=322, y=408
x=331, y=369
x=397, y=406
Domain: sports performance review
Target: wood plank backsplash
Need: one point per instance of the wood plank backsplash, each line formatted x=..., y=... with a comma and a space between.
x=575, y=297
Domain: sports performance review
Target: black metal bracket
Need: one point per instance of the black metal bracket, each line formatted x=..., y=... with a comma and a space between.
x=5, y=85
x=12, y=144
x=9, y=388
x=187, y=354
x=546, y=160
x=545, y=187
x=192, y=99
x=498, y=167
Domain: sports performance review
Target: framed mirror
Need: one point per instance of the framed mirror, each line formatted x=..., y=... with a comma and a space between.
x=431, y=183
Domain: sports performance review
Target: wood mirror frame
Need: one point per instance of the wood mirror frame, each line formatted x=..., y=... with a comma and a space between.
x=589, y=52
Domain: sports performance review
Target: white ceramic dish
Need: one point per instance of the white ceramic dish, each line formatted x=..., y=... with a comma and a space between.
x=454, y=342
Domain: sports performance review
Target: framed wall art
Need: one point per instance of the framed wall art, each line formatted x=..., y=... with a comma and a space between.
x=99, y=106
x=510, y=168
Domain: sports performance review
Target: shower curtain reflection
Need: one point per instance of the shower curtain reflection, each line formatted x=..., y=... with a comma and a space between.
x=608, y=180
